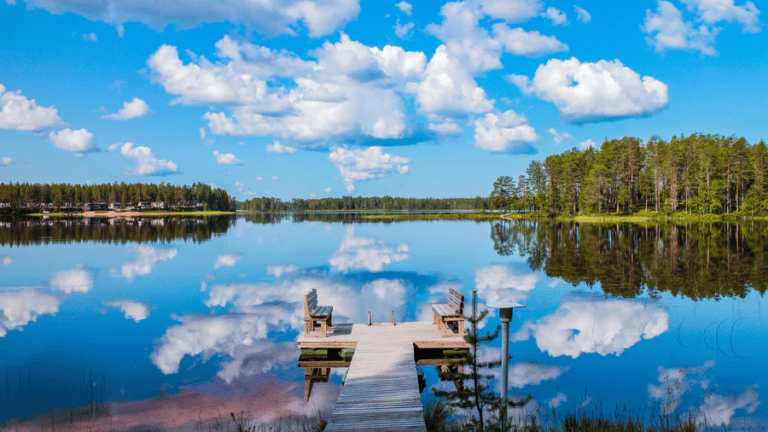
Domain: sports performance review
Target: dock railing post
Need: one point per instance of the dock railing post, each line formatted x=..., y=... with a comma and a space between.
x=369, y=318
x=393, y=318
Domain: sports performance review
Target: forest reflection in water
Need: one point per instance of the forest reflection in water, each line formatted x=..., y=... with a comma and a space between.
x=120, y=230
x=696, y=260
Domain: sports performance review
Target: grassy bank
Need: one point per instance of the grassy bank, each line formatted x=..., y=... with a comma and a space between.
x=639, y=217
x=45, y=214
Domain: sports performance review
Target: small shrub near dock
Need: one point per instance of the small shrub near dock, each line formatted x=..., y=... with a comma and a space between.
x=439, y=417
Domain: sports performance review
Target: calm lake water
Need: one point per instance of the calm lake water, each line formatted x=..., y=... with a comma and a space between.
x=176, y=322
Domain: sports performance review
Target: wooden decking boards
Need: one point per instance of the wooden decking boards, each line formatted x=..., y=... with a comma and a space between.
x=381, y=392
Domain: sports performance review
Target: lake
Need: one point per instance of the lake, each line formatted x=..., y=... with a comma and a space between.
x=176, y=322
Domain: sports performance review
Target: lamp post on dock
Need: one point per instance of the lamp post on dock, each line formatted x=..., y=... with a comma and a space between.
x=505, y=307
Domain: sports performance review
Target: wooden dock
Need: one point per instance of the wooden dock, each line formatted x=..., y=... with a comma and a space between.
x=381, y=392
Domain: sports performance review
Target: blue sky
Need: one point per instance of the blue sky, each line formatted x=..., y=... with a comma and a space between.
x=328, y=98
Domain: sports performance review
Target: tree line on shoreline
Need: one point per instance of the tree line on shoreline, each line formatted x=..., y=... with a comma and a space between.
x=697, y=174
x=385, y=203
x=20, y=195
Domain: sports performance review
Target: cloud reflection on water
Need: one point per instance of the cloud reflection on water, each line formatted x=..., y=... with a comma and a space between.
x=226, y=261
x=715, y=410
x=78, y=280
x=582, y=325
x=366, y=253
x=146, y=259
x=18, y=308
x=136, y=311
x=718, y=410
x=279, y=270
x=231, y=334
x=244, y=332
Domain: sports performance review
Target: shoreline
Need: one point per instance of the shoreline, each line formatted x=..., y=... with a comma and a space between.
x=129, y=214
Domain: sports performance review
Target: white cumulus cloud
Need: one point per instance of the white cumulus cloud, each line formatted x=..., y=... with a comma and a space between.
x=80, y=141
x=320, y=17
x=405, y=7
x=512, y=11
x=448, y=88
x=357, y=165
x=715, y=11
x=20, y=113
x=5, y=161
x=402, y=30
x=559, y=137
x=131, y=109
x=276, y=147
x=599, y=326
x=527, y=43
x=506, y=132
x=582, y=15
x=136, y=311
x=322, y=100
x=146, y=162
x=226, y=158
x=667, y=28
x=591, y=92
x=557, y=16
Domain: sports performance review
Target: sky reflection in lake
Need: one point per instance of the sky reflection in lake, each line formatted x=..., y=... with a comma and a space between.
x=209, y=321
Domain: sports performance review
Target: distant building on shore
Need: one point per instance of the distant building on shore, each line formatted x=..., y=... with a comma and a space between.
x=95, y=207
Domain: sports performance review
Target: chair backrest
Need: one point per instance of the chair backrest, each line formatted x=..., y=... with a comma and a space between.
x=456, y=300
x=310, y=302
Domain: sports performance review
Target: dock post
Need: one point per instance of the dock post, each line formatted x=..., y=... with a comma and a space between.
x=393, y=318
x=369, y=318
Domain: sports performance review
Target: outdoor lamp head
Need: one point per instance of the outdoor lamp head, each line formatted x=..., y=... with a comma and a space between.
x=505, y=307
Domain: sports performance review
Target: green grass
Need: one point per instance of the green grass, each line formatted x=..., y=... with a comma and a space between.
x=45, y=214
x=639, y=217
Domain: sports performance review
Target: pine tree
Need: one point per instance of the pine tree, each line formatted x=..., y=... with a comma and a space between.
x=477, y=395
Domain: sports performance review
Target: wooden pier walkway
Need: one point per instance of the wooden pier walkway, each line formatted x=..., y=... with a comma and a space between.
x=381, y=392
